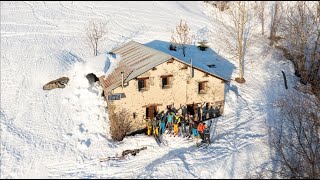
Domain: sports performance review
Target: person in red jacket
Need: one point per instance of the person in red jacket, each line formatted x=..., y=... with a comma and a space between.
x=200, y=129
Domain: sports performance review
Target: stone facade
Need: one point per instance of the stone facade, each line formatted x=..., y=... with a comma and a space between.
x=181, y=90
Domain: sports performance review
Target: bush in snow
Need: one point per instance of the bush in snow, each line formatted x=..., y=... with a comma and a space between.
x=120, y=122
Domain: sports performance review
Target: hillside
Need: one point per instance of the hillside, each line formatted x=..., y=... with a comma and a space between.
x=62, y=133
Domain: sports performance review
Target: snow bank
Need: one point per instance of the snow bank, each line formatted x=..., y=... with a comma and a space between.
x=100, y=65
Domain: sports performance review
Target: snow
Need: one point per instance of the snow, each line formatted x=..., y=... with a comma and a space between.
x=62, y=133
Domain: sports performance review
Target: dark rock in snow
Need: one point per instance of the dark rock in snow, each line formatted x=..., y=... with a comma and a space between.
x=58, y=83
x=92, y=78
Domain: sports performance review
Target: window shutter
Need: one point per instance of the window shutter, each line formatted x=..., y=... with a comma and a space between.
x=145, y=85
x=140, y=84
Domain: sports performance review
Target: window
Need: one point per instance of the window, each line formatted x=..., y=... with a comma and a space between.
x=134, y=115
x=202, y=87
x=165, y=81
x=116, y=96
x=142, y=84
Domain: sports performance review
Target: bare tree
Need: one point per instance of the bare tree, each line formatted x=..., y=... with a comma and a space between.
x=301, y=33
x=221, y=5
x=296, y=137
x=96, y=31
x=238, y=24
x=275, y=17
x=260, y=10
x=181, y=36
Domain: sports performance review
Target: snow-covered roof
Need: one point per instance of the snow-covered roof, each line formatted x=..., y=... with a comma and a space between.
x=137, y=58
x=140, y=57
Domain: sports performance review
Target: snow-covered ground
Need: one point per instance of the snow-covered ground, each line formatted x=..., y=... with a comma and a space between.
x=62, y=133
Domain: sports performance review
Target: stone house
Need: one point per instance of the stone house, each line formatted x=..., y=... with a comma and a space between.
x=147, y=81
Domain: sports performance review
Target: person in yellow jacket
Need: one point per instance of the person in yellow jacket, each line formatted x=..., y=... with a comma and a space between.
x=176, y=121
x=155, y=126
x=149, y=127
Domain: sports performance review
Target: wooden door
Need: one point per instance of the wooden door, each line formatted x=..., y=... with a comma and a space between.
x=151, y=111
x=190, y=109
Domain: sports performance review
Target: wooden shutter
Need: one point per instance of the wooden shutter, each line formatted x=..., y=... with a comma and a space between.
x=140, y=84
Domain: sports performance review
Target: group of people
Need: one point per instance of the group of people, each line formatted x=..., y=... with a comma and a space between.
x=176, y=123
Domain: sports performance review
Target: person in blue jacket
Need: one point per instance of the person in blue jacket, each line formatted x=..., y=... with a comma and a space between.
x=162, y=122
x=170, y=119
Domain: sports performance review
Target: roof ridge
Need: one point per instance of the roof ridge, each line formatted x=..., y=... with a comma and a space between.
x=152, y=48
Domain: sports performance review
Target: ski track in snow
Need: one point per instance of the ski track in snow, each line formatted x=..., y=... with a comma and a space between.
x=62, y=133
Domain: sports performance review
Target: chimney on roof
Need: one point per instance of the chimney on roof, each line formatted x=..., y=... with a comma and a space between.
x=191, y=72
x=122, y=79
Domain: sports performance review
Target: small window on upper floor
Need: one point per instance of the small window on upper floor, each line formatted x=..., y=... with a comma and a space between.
x=202, y=87
x=142, y=84
x=165, y=81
